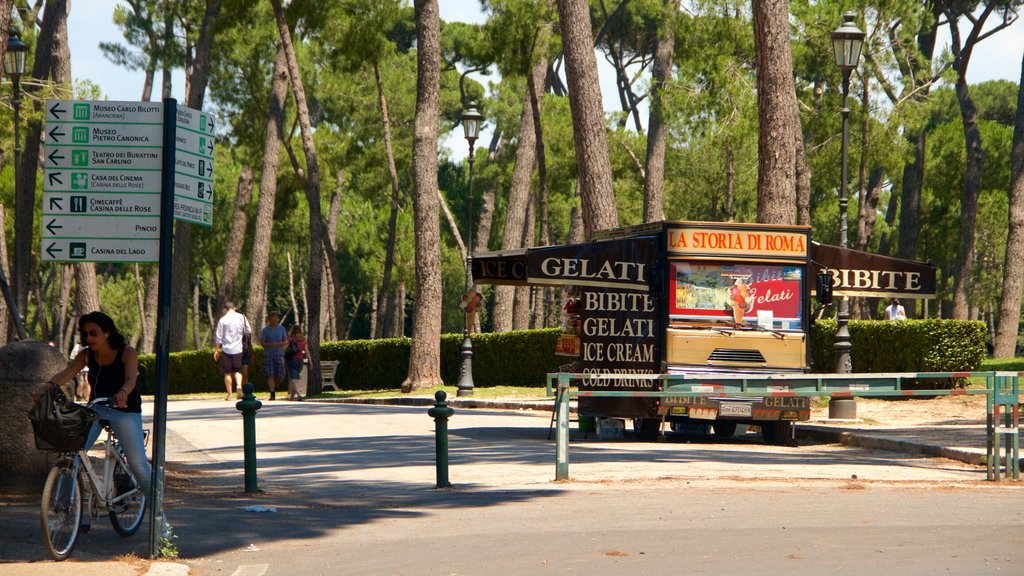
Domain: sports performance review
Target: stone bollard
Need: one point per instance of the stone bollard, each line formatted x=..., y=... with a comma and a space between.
x=24, y=366
x=441, y=413
x=842, y=408
x=248, y=406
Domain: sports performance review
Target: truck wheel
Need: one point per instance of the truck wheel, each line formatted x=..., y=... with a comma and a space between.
x=778, y=433
x=724, y=429
x=647, y=429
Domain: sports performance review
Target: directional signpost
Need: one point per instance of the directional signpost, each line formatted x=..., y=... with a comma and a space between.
x=101, y=181
x=193, y=167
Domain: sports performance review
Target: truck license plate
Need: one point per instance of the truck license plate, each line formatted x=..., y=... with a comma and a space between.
x=703, y=413
x=734, y=409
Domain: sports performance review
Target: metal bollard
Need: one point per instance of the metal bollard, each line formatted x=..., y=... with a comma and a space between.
x=441, y=413
x=248, y=406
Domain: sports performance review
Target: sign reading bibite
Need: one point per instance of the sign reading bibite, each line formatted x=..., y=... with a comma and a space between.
x=103, y=177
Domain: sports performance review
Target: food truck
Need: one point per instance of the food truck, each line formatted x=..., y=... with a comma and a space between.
x=698, y=298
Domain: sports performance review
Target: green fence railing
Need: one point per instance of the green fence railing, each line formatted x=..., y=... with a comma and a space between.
x=1002, y=392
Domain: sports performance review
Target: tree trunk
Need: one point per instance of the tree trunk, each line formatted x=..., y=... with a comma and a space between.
x=425, y=354
x=195, y=314
x=486, y=214
x=657, y=131
x=5, y=312
x=591, y=145
x=337, y=288
x=536, y=88
x=729, y=210
x=291, y=288
x=196, y=81
x=803, y=174
x=868, y=207
x=387, y=327
x=1013, y=270
x=374, y=311
x=69, y=323
x=317, y=234
x=140, y=301
x=54, y=24
x=517, y=208
x=910, y=198
x=776, y=95
x=6, y=9
x=521, y=310
x=964, y=267
x=87, y=294
x=236, y=238
x=263, y=226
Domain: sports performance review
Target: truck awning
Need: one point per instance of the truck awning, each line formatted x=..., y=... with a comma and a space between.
x=858, y=273
x=622, y=263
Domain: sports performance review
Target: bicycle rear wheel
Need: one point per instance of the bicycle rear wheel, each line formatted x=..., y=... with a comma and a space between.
x=128, y=503
x=61, y=510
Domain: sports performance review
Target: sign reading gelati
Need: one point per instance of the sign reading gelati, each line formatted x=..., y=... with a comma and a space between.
x=774, y=242
x=610, y=263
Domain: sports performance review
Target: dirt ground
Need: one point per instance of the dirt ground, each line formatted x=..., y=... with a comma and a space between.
x=944, y=410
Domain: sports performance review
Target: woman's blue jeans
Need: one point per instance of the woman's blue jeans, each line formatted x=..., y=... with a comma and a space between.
x=127, y=427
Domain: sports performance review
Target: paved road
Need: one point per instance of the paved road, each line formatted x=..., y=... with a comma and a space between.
x=352, y=493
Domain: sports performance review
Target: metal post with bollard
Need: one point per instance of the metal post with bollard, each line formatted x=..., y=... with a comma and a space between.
x=248, y=406
x=441, y=413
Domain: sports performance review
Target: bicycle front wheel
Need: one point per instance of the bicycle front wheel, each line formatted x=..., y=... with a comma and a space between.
x=61, y=510
x=127, y=503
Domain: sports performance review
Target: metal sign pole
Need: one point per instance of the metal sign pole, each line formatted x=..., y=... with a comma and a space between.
x=163, y=328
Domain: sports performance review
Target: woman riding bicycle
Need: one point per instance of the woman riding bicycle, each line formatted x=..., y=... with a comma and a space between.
x=113, y=370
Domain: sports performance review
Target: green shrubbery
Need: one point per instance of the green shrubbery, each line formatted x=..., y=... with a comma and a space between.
x=905, y=346
x=521, y=358
x=517, y=358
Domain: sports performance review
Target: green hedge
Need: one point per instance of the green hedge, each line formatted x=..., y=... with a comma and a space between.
x=905, y=346
x=521, y=358
x=516, y=358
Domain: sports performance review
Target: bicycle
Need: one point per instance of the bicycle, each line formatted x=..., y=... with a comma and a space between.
x=116, y=492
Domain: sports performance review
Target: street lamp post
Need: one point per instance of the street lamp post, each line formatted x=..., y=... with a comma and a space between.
x=14, y=67
x=846, y=44
x=471, y=125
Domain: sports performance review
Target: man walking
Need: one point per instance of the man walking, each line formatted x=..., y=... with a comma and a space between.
x=274, y=339
x=895, y=311
x=227, y=346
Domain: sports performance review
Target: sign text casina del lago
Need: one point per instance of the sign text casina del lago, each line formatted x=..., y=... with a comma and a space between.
x=102, y=180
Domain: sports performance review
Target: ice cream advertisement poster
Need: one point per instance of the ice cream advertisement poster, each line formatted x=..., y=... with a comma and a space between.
x=765, y=294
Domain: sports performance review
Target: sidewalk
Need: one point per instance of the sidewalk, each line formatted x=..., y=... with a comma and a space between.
x=954, y=429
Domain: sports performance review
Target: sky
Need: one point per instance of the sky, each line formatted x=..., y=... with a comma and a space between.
x=90, y=22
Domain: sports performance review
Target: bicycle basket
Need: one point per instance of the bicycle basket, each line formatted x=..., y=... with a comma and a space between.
x=59, y=424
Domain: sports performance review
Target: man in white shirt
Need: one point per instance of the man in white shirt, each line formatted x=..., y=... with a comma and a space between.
x=895, y=311
x=228, y=346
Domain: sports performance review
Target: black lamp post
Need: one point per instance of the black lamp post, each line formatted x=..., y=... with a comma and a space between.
x=846, y=44
x=471, y=125
x=14, y=67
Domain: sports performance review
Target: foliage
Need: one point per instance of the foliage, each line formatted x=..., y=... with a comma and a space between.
x=905, y=346
x=517, y=358
x=711, y=120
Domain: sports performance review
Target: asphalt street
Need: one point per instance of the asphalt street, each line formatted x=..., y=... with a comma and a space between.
x=350, y=490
